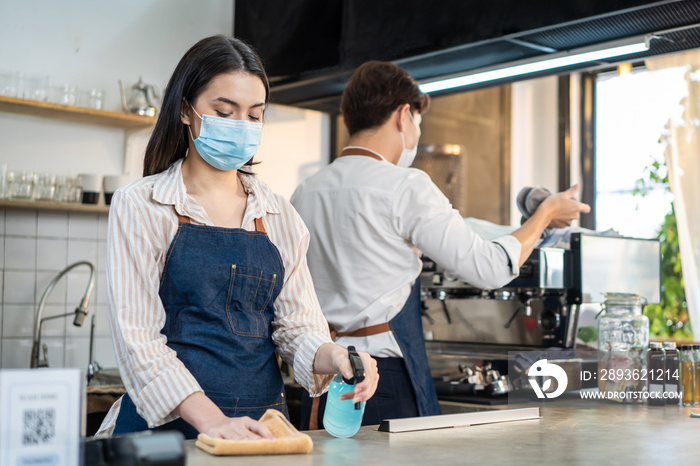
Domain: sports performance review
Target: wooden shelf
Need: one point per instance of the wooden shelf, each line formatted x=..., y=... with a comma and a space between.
x=58, y=206
x=75, y=114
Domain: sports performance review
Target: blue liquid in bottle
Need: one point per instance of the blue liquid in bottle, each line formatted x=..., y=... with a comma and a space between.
x=341, y=419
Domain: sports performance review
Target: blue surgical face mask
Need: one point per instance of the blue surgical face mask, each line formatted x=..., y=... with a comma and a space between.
x=227, y=144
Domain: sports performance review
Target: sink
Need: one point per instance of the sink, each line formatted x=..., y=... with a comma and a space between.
x=109, y=376
x=103, y=390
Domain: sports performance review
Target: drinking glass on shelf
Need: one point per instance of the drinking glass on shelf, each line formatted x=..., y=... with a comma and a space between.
x=45, y=189
x=96, y=100
x=62, y=190
x=65, y=94
x=3, y=181
x=68, y=189
x=8, y=83
x=91, y=98
x=21, y=185
x=34, y=87
x=76, y=190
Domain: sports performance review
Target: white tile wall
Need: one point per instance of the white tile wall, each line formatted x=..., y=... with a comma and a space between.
x=16, y=353
x=53, y=224
x=102, y=222
x=21, y=253
x=2, y=286
x=34, y=247
x=18, y=320
x=57, y=294
x=82, y=250
x=102, y=328
x=20, y=222
x=19, y=287
x=55, y=327
x=78, y=353
x=55, y=351
x=83, y=226
x=101, y=289
x=51, y=254
x=101, y=254
x=77, y=282
x=103, y=352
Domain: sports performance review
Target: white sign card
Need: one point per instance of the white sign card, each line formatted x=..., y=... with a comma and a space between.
x=41, y=416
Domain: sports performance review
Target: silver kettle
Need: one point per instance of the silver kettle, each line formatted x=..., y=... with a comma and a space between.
x=143, y=99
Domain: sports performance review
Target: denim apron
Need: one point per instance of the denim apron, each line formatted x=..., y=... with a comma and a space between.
x=406, y=387
x=407, y=327
x=218, y=289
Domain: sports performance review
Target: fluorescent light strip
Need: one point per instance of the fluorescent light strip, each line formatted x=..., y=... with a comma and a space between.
x=528, y=68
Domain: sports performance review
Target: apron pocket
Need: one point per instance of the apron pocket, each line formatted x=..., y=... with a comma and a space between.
x=249, y=294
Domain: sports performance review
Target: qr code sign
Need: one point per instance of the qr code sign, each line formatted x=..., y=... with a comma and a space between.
x=39, y=426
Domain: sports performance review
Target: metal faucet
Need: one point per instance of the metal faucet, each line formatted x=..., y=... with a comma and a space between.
x=79, y=313
x=93, y=366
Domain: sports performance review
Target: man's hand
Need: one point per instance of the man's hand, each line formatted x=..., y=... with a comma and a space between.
x=556, y=211
x=563, y=208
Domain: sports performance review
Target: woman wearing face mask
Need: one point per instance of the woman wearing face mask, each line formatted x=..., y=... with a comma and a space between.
x=206, y=270
x=370, y=216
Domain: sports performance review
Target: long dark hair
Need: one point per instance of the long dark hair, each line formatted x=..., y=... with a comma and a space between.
x=207, y=59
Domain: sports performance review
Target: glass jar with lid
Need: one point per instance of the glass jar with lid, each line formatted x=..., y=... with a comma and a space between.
x=623, y=338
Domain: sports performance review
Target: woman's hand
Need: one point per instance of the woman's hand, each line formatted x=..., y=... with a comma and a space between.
x=237, y=428
x=202, y=414
x=332, y=358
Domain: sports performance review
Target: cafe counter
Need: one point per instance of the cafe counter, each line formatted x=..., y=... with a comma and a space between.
x=591, y=435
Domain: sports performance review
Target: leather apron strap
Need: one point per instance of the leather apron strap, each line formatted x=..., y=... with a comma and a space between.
x=258, y=222
x=359, y=151
x=361, y=332
x=313, y=421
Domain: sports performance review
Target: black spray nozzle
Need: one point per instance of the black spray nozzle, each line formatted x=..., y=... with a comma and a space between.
x=358, y=369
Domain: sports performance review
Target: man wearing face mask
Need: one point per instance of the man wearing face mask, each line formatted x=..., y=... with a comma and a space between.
x=371, y=216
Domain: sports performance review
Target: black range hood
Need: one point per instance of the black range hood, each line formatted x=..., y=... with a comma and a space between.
x=310, y=47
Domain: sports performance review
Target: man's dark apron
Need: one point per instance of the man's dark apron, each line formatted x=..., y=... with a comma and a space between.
x=405, y=386
x=408, y=331
x=218, y=289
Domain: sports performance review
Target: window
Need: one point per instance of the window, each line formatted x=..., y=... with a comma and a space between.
x=631, y=112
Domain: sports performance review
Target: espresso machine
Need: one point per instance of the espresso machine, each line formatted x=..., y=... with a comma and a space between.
x=470, y=331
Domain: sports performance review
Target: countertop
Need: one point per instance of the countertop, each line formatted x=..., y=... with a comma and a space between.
x=596, y=434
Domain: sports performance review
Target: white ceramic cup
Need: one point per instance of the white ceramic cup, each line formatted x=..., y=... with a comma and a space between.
x=92, y=186
x=111, y=183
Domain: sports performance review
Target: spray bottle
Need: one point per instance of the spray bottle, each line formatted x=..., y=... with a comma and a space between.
x=343, y=418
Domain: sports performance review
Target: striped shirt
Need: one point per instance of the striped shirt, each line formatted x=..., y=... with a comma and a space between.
x=142, y=224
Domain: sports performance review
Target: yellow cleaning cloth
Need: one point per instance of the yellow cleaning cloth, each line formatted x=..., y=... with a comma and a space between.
x=287, y=440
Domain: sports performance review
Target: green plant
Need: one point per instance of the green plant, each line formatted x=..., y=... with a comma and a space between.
x=670, y=317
